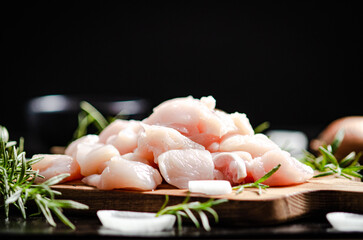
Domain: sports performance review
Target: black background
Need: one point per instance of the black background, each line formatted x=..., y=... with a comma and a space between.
x=295, y=63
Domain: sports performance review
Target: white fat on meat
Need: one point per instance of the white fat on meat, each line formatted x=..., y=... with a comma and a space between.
x=256, y=145
x=291, y=171
x=92, y=158
x=121, y=173
x=54, y=164
x=178, y=167
x=155, y=140
x=231, y=166
x=71, y=150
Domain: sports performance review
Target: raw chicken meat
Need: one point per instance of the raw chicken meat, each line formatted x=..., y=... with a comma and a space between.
x=291, y=171
x=155, y=140
x=122, y=173
x=180, y=166
x=137, y=158
x=71, y=150
x=230, y=166
x=198, y=119
x=256, y=145
x=185, y=139
x=126, y=140
x=113, y=129
x=92, y=158
x=196, y=114
x=54, y=164
x=242, y=123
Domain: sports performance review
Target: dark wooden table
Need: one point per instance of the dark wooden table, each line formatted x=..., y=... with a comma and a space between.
x=89, y=227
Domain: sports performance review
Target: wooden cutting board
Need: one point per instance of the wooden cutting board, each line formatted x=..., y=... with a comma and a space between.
x=275, y=205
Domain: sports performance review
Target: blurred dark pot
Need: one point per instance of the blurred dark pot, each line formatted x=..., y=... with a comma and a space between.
x=52, y=119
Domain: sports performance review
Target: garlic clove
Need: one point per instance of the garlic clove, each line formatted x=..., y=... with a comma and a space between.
x=135, y=222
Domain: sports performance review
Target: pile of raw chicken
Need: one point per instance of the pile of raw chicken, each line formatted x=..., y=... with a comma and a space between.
x=183, y=139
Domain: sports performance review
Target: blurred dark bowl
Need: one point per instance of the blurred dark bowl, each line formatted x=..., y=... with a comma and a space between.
x=52, y=119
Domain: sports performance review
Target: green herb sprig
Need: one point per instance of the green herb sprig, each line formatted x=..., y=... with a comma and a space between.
x=17, y=185
x=185, y=209
x=262, y=127
x=258, y=183
x=89, y=115
x=327, y=164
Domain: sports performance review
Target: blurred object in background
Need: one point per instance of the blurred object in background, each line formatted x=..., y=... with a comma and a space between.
x=52, y=119
x=353, y=135
x=295, y=142
x=272, y=61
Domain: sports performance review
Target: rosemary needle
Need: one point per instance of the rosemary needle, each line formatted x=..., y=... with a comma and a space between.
x=262, y=127
x=186, y=208
x=89, y=115
x=258, y=183
x=327, y=164
x=17, y=185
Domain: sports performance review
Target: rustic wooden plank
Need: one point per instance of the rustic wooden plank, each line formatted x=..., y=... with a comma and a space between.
x=276, y=205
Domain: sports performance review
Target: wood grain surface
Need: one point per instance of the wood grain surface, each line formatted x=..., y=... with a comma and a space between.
x=275, y=205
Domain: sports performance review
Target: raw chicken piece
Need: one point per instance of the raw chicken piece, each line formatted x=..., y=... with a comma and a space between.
x=291, y=171
x=71, y=150
x=122, y=173
x=256, y=145
x=113, y=129
x=92, y=158
x=136, y=158
x=117, y=126
x=54, y=164
x=187, y=115
x=209, y=101
x=155, y=140
x=245, y=156
x=180, y=166
x=126, y=140
x=209, y=141
x=193, y=117
x=247, y=159
x=213, y=147
x=242, y=123
x=231, y=166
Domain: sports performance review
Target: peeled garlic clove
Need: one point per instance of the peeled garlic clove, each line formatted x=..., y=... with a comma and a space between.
x=210, y=187
x=135, y=222
x=347, y=222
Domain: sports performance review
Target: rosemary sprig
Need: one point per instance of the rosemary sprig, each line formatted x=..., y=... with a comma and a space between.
x=327, y=164
x=17, y=185
x=89, y=115
x=262, y=127
x=185, y=209
x=258, y=183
